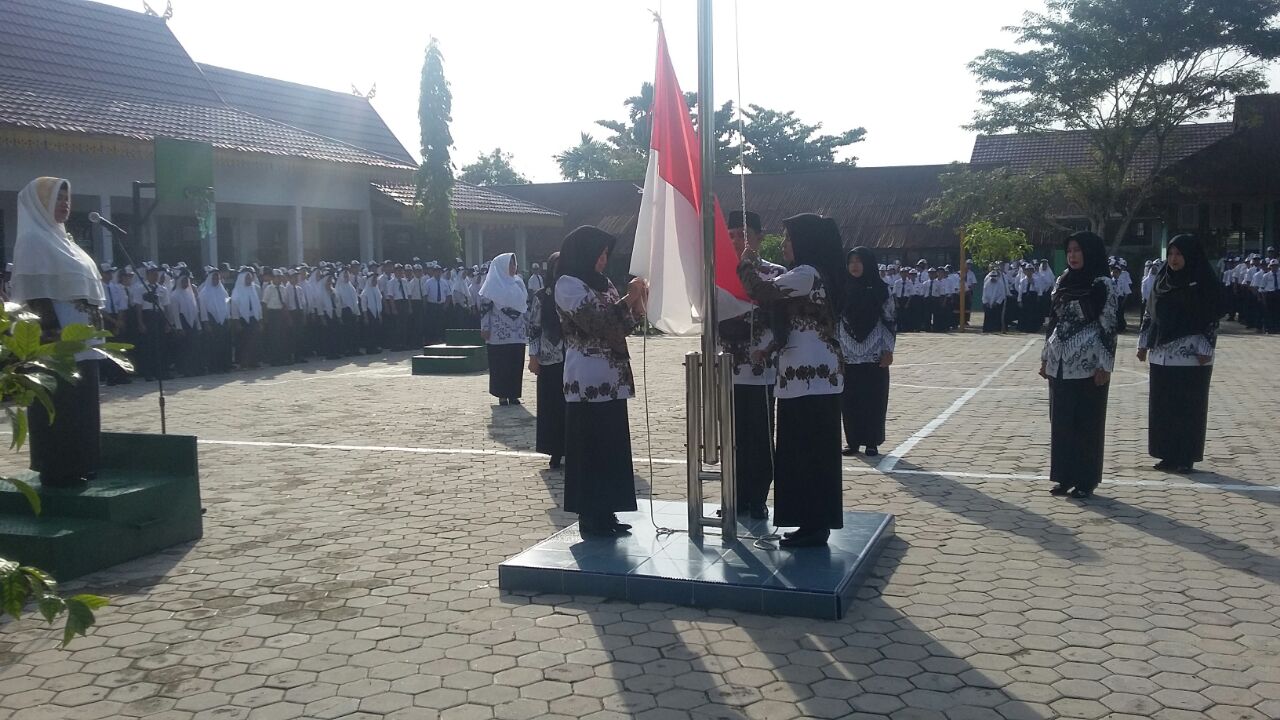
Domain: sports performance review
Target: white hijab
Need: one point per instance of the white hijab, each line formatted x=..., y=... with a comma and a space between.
x=347, y=296
x=245, y=300
x=214, y=300
x=46, y=261
x=504, y=289
x=182, y=304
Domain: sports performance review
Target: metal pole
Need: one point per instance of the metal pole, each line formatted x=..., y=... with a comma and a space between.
x=706, y=131
x=964, y=276
x=693, y=428
x=728, y=459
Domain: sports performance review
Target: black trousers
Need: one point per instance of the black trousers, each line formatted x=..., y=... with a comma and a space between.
x=278, y=329
x=217, y=346
x=551, y=410
x=435, y=322
x=1179, y=410
x=247, y=343
x=404, y=325
x=993, y=318
x=373, y=334
x=598, y=474
x=350, y=332
x=807, y=489
x=67, y=450
x=753, y=417
x=506, y=370
x=864, y=404
x=1078, y=432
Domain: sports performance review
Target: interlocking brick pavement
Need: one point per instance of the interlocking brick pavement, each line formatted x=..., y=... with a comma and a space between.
x=360, y=581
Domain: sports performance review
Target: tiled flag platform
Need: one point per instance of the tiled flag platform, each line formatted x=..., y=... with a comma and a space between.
x=651, y=566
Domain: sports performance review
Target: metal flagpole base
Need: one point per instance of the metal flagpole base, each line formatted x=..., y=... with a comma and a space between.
x=694, y=450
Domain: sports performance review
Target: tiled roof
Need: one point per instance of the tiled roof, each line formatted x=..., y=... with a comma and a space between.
x=341, y=116
x=31, y=105
x=472, y=198
x=76, y=66
x=1028, y=152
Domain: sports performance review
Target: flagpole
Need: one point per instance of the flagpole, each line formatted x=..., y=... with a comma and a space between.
x=706, y=132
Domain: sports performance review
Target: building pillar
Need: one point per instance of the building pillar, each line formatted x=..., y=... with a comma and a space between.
x=106, y=243
x=468, y=252
x=246, y=240
x=366, y=234
x=295, y=235
x=480, y=246
x=522, y=254
x=153, y=240
x=379, y=228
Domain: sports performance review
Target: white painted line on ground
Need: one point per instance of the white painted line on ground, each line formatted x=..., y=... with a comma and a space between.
x=854, y=467
x=891, y=460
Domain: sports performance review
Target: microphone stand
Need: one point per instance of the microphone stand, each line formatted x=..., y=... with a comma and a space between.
x=155, y=305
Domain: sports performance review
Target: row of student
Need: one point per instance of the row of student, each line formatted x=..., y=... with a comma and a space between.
x=1252, y=290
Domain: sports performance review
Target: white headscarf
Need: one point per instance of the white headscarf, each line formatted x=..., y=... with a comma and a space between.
x=47, y=263
x=182, y=304
x=504, y=289
x=214, y=301
x=347, y=295
x=244, y=299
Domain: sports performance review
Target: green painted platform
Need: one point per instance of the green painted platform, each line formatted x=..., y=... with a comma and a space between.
x=146, y=498
x=464, y=351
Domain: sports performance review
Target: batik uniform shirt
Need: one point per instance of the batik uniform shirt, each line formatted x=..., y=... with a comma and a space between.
x=594, y=325
x=504, y=325
x=1075, y=348
x=881, y=340
x=810, y=363
x=749, y=337
x=547, y=352
x=1182, y=352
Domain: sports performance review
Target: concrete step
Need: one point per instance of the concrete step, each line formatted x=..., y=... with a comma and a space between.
x=473, y=351
x=447, y=364
x=463, y=336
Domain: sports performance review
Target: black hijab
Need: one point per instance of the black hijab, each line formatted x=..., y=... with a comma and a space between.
x=579, y=252
x=1187, y=301
x=1078, y=285
x=547, y=296
x=863, y=296
x=815, y=241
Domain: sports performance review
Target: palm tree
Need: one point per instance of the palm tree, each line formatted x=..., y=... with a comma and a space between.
x=590, y=159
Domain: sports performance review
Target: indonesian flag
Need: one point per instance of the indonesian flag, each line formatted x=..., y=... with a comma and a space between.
x=668, y=248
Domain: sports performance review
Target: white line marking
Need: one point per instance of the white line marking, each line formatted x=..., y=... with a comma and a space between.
x=891, y=460
x=853, y=467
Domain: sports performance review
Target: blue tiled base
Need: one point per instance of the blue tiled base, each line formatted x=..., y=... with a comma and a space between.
x=650, y=566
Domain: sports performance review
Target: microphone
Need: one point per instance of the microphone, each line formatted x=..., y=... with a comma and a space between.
x=97, y=219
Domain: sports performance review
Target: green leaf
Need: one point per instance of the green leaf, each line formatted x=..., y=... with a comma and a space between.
x=25, y=340
x=14, y=589
x=27, y=491
x=78, y=332
x=18, y=425
x=51, y=606
x=80, y=615
x=39, y=579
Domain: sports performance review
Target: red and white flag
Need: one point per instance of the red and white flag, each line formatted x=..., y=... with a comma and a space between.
x=668, y=249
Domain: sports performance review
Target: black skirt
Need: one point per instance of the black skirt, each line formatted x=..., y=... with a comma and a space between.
x=864, y=404
x=1078, y=431
x=993, y=318
x=753, y=442
x=67, y=451
x=551, y=409
x=598, y=474
x=506, y=369
x=807, y=476
x=1179, y=408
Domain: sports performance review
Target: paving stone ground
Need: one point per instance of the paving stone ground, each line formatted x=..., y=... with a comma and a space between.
x=357, y=514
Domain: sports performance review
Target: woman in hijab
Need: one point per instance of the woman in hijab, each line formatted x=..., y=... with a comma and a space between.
x=868, y=331
x=184, y=316
x=994, y=294
x=371, y=314
x=246, y=311
x=599, y=480
x=803, y=304
x=1078, y=357
x=504, y=301
x=1178, y=336
x=215, y=314
x=546, y=361
x=349, y=309
x=59, y=282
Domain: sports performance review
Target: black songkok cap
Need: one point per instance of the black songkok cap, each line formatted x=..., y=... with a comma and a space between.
x=738, y=218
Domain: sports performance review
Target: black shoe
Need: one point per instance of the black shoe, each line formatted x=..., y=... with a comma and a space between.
x=849, y=452
x=555, y=462
x=873, y=451
x=514, y=401
x=620, y=526
x=814, y=537
x=1080, y=494
x=1185, y=469
x=759, y=511
x=1164, y=465
x=790, y=534
x=1060, y=489
x=502, y=401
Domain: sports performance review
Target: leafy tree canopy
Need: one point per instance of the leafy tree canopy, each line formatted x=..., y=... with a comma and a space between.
x=435, y=175
x=492, y=168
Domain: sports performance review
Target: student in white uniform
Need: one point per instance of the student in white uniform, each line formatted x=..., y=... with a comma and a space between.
x=215, y=318
x=371, y=315
x=1178, y=338
x=868, y=333
x=246, y=314
x=504, y=300
x=184, y=317
x=995, y=293
x=348, y=312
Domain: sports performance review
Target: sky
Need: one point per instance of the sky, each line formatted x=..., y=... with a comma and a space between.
x=530, y=77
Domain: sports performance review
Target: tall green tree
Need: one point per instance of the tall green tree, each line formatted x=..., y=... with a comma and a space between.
x=781, y=142
x=590, y=159
x=1127, y=72
x=492, y=168
x=435, y=175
